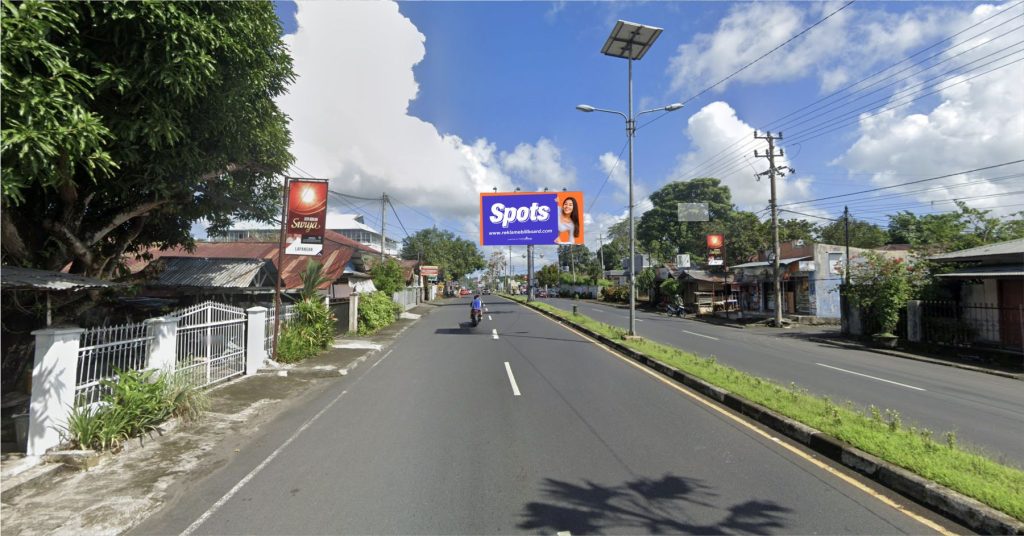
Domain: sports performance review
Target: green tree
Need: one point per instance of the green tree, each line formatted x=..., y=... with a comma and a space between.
x=794, y=229
x=881, y=286
x=862, y=234
x=548, y=276
x=387, y=277
x=645, y=281
x=496, y=267
x=456, y=257
x=965, y=228
x=123, y=123
x=312, y=277
x=659, y=230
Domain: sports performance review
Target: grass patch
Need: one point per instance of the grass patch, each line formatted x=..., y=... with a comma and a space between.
x=880, y=432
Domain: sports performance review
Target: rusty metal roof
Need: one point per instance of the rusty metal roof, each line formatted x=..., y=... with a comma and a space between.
x=338, y=251
x=14, y=278
x=221, y=273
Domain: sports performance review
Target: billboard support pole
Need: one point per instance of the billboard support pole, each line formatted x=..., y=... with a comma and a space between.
x=280, y=265
x=529, y=273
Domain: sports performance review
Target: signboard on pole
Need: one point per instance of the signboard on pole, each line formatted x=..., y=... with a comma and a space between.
x=307, y=216
x=715, y=244
x=517, y=218
x=429, y=271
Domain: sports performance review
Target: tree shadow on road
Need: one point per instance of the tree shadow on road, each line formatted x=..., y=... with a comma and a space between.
x=644, y=506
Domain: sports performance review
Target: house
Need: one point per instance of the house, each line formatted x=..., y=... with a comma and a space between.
x=988, y=283
x=251, y=267
x=617, y=277
x=351, y=226
x=810, y=277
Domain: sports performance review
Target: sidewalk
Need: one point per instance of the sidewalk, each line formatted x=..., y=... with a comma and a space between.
x=125, y=488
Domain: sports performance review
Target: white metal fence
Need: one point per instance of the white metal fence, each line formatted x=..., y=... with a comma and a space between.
x=211, y=343
x=287, y=312
x=407, y=297
x=103, y=351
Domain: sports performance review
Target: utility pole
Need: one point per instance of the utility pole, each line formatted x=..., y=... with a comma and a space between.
x=600, y=240
x=846, y=224
x=772, y=173
x=383, y=215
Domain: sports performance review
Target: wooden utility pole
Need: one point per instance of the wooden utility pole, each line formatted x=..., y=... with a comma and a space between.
x=383, y=215
x=846, y=223
x=772, y=172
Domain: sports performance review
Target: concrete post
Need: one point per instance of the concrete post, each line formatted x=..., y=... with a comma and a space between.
x=53, y=386
x=163, y=351
x=255, y=334
x=914, y=320
x=353, y=313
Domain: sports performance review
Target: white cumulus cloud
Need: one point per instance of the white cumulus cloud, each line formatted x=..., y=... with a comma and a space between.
x=350, y=120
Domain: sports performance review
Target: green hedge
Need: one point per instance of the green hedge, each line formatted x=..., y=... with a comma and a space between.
x=376, y=311
x=615, y=293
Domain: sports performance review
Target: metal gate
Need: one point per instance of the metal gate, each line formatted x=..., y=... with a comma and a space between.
x=211, y=343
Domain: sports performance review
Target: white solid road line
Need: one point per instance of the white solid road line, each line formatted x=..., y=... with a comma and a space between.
x=699, y=335
x=494, y=334
x=512, y=379
x=872, y=377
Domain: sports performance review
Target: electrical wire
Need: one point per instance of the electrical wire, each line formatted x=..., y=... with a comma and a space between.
x=610, y=172
x=763, y=56
x=904, y=184
x=716, y=162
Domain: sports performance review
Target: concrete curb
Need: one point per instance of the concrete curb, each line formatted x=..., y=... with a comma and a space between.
x=912, y=357
x=962, y=509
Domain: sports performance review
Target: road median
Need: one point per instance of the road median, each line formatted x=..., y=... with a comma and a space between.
x=971, y=489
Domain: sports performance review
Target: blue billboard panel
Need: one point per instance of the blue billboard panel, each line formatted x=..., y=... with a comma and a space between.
x=510, y=219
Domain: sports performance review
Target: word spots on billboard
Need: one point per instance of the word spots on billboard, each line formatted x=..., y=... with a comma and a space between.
x=507, y=215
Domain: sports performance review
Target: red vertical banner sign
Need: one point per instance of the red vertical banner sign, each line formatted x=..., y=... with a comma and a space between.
x=716, y=243
x=307, y=217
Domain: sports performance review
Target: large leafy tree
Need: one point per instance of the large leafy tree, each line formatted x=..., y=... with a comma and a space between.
x=125, y=122
x=456, y=257
x=862, y=234
x=965, y=228
x=663, y=236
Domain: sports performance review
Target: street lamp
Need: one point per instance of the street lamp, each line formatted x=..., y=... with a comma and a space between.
x=630, y=41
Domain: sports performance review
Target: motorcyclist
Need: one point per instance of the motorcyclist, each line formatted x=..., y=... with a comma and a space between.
x=475, y=308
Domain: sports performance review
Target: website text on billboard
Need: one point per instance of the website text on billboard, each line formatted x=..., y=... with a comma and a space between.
x=523, y=218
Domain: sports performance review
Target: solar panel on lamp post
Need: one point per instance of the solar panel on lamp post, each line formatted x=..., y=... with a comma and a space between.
x=631, y=41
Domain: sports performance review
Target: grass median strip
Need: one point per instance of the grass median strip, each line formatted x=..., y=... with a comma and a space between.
x=880, y=432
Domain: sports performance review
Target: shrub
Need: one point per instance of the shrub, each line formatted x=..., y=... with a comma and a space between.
x=387, y=277
x=135, y=403
x=376, y=310
x=309, y=332
x=615, y=293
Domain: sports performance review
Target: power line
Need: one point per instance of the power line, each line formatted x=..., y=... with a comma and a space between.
x=763, y=56
x=873, y=200
x=809, y=215
x=395, y=212
x=612, y=171
x=718, y=157
x=903, y=184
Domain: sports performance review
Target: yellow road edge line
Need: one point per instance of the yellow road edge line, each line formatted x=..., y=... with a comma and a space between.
x=728, y=413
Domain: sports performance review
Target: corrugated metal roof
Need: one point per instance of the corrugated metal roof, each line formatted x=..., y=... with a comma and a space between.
x=986, y=271
x=14, y=278
x=1011, y=247
x=221, y=273
x=702, y=275
x=338, y=251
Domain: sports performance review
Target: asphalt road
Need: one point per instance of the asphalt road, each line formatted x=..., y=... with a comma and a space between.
x=452, y=431
x=985, y=411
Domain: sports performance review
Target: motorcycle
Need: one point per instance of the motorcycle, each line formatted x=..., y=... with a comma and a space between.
x=475, y=316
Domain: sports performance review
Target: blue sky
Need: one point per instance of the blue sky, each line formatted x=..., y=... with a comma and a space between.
x=433, y=102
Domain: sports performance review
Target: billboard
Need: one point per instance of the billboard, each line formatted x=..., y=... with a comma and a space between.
x=524, y=218
x=307, y=217
x=716, y=243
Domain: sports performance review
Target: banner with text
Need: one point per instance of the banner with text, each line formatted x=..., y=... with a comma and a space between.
x=307, y=217
x=510, y=219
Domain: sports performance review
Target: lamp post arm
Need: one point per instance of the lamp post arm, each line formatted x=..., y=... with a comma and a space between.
x=612, y=112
